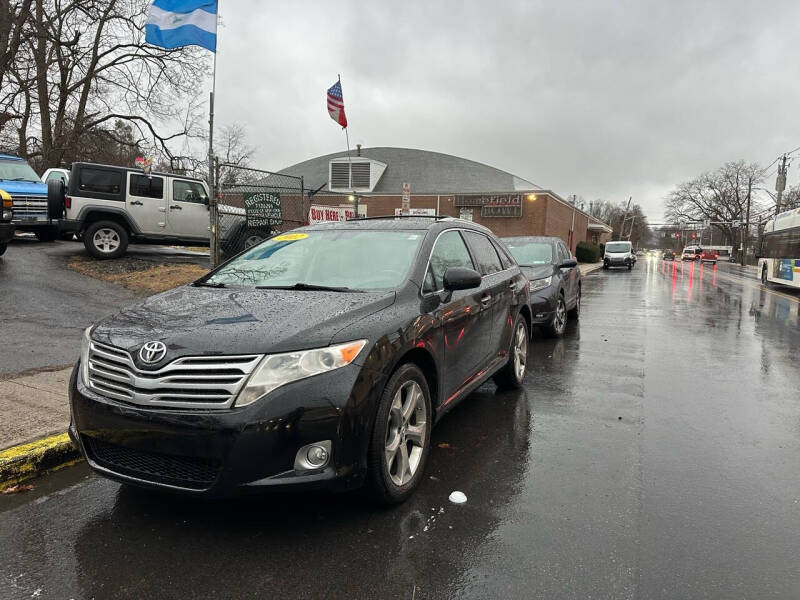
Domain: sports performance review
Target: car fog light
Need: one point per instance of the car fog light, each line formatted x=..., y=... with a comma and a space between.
x=317, y=456
x=313, y=456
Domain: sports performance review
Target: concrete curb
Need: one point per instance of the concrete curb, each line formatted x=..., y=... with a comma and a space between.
x=28, y=460
x=587, y=268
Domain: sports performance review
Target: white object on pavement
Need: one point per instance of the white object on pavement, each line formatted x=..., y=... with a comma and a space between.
x=458, y=498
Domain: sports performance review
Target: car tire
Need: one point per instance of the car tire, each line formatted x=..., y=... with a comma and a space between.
x=392, y=479
x=575, y=313
x=630, y=266
x=559, y=324
x=605, y=266
x=764, y=276
x=47, y=234
x=56, y=193
x=512, y=374
x=105, y=240
x=3, y=247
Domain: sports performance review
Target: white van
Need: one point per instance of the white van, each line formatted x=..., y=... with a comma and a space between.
x=619, y=254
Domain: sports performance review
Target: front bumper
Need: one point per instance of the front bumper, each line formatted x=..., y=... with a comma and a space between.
x=6, y=232
x=220, y=452
x=617, y=262
x=543, y=306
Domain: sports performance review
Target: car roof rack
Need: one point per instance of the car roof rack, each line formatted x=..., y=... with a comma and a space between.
x=375, y=218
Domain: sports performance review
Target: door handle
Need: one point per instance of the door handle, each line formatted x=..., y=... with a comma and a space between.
x=175, y=207
x=136, y=203
x=485, y=300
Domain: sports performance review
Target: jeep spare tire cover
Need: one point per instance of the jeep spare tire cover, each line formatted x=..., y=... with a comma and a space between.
x=55, y=198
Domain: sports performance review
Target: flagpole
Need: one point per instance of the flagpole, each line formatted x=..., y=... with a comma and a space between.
x=349, y=162
x=213, y=250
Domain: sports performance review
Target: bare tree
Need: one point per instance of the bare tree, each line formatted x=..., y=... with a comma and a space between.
x=84, y=66
x=719, y=195
x=615, y=215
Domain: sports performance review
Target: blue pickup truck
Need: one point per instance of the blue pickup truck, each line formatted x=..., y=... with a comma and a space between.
x=28, y=198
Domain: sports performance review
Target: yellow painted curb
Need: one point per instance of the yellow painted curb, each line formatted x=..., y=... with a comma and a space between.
x=22, y=462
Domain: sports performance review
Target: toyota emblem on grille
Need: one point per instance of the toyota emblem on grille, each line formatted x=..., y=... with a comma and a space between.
x=152, y=352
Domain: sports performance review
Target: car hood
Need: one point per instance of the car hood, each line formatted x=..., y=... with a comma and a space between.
x=537, y=272
x=199, y=321
x=25, y=188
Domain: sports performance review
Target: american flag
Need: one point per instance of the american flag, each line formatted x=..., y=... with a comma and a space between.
x=336, y=104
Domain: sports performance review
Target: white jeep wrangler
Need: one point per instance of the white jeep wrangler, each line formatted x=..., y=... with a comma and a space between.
x=110, y=207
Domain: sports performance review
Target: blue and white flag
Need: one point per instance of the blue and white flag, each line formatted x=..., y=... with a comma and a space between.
x=176, y=23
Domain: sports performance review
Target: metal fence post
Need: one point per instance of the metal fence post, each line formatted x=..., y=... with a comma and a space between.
x=212, y=218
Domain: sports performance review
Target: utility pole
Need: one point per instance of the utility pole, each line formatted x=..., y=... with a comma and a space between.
x=780, y=183
x=746, y=230
x=625, y=218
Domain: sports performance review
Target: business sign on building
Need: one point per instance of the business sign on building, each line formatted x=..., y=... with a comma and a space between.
x=320, y=213
x=262, y=208
x=493, y=205
x=416, y=212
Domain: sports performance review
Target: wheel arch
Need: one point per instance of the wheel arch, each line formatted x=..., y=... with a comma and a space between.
x=92, y=215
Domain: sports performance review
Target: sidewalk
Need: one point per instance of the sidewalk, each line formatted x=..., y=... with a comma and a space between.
x=587, y=268
x=33, y=436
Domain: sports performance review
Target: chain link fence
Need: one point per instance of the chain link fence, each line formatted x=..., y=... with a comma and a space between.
x=252, y=205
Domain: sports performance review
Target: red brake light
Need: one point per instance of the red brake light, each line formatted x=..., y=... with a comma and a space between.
x=68, y=201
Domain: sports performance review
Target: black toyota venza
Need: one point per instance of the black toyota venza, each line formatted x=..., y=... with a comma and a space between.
x=319, y=358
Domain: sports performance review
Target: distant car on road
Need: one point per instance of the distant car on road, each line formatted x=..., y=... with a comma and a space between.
x=318, y=358
x=555, y=280
x=708, y=256
x=619, y=254
x=668, y=255
x=691, y=253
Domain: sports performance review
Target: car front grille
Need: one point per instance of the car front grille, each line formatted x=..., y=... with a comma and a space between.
x=188, y=472
x=207, y=382
x=28, y=208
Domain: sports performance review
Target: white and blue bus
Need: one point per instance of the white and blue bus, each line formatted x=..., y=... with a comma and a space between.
x=779, y=260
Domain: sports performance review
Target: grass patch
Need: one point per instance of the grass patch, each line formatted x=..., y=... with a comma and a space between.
x=139, y=275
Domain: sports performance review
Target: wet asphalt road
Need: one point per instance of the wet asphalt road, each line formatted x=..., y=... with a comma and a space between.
x=46, y=306
x=653, y=453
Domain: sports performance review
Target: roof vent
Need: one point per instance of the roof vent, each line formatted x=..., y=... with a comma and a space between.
x=354, y=174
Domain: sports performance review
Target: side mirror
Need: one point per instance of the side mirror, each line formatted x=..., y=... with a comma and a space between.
x=568, y=264
x=460, y=278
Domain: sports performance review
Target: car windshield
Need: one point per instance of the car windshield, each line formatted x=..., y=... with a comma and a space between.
x=618, y=247
x=17, y=170
x=530, y=253
x=344, y=259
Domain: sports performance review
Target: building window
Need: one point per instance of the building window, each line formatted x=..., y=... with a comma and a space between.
x=465, y=213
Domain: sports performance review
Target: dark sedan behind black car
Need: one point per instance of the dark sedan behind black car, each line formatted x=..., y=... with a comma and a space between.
x=321, y=357
x=555, y=280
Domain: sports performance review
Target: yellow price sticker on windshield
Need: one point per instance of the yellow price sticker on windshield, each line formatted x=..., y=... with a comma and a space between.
x=290, y=237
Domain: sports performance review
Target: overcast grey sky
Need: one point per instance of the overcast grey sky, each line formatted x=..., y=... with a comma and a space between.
x=600, y=99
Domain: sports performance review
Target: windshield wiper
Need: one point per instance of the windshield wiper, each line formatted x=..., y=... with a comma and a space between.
x=22, y=179
x=308, y=287
x=208, y=284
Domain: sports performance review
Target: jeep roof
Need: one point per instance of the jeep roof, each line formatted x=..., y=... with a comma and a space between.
x=136, y=169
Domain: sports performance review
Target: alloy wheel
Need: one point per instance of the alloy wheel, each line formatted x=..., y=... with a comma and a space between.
x=520, y=351
x=405, y=433
x=560, y=320
x=106, y=240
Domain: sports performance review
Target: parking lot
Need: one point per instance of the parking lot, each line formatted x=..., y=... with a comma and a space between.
x=652, y=453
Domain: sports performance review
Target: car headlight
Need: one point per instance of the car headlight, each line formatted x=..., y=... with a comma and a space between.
x=87, y=342
x=540, y=284
x=276, y=370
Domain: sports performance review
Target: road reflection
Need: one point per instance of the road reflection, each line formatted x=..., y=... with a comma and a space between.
x=319, y=545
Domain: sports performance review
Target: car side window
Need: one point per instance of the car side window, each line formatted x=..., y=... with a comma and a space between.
x=188, y=191
x=485, y=254
x=145, y=186
x=505, y=258
x=449, y=251
x=99, y=181
x=564, y=254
